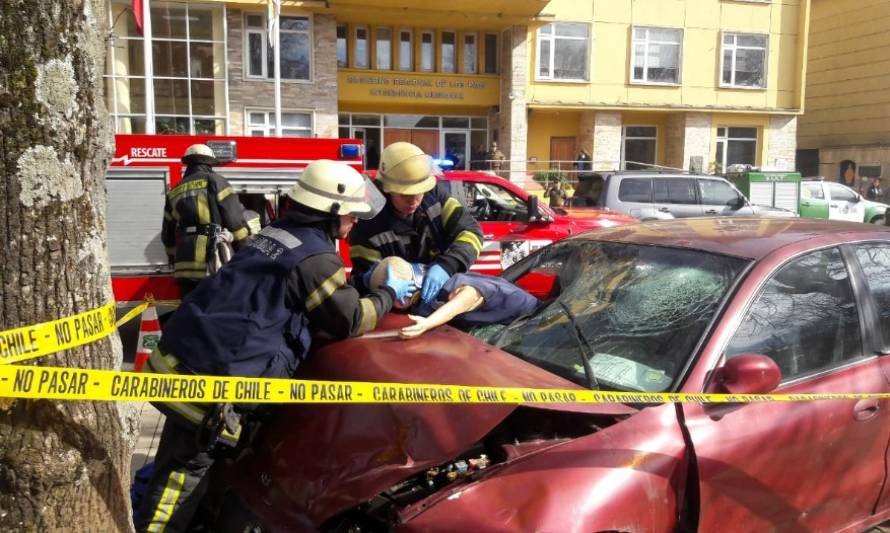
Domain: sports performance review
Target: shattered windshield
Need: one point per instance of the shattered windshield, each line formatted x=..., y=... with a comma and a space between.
x=641, y=311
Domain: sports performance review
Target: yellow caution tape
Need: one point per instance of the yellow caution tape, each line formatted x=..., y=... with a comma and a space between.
x=77, y=384
x=29, y=342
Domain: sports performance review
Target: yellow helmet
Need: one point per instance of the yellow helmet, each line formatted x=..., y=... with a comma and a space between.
x=405, y=169
x=337, y=188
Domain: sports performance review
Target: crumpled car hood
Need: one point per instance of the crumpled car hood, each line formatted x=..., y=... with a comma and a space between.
x=314, y=461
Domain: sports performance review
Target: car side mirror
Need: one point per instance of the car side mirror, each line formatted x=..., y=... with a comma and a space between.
x=858, y=199
x=533, y=212
x=748, y=373
x=738, y=203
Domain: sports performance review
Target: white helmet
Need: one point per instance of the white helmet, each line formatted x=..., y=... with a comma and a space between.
x=199, y=154
x=337, y=188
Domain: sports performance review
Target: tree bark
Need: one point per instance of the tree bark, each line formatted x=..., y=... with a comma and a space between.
x=63, y=465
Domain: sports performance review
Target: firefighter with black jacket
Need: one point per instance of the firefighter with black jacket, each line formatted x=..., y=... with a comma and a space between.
x=195, y=213
x=421, y=223
x=257, y=317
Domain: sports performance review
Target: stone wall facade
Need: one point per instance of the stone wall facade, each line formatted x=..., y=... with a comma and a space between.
x=781, y=143
x=513, y=115
x=697, y=144
x=606, y=141
x=319, y=95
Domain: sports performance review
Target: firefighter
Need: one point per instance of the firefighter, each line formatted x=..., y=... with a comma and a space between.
x=195, y=214
x=257, y=317
x=421, y=223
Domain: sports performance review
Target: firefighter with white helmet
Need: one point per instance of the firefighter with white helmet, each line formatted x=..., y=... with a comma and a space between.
x=421, y=223
x=257, y=317
x=196, y=212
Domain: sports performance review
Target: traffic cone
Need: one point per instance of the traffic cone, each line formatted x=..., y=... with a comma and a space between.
x=149, y=336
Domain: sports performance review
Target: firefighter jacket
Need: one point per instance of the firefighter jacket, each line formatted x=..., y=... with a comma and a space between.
x=190, y=209
x=257, y=316
x=440, y=232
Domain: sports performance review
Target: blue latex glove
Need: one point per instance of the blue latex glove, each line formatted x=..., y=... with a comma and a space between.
x=404, y=289
x=433, y=281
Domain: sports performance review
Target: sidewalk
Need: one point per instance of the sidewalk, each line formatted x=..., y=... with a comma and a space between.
x=152, y=422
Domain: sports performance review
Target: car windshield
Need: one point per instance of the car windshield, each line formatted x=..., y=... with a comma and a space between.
x=635, y=313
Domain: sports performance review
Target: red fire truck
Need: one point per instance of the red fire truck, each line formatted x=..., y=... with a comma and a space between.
x=145, y=167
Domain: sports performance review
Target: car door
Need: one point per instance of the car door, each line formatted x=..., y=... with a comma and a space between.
x=813, y=203
x=844, y=203
x=634, y=196
x=719, y=198
x=798, y=466
x=677, y=195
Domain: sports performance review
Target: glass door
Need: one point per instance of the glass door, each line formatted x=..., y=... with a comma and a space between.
x=454, y=147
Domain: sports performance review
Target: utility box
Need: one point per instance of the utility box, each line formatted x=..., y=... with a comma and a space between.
x=771, y=189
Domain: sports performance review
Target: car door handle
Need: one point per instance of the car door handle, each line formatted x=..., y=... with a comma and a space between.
x=664, y=209
x=833, y=205
x=805, y=204
x=488, y=236
x=866, y=409
x=711, y=212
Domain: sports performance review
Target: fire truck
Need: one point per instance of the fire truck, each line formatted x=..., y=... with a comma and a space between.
x=145, y=167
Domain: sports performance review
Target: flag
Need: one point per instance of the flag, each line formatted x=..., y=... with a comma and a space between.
x=137, y=14
x=273, y=11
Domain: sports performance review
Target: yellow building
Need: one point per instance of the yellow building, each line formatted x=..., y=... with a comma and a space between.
x=677, y=83
x=844, y=134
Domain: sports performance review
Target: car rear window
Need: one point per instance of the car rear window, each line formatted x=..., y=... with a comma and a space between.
x=635, y=190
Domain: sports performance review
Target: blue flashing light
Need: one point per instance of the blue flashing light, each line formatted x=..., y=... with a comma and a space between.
x=350, y=151
x=444, y=163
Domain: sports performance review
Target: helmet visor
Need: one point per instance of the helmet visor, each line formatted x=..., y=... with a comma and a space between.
x=366, y=203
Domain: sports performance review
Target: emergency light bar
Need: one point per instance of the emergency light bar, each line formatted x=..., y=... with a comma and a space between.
x=350, y=151
x=444, y=163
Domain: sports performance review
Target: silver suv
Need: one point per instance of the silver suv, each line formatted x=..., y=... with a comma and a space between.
x=656, y=196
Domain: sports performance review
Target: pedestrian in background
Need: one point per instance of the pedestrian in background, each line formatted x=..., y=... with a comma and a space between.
x=875, y=192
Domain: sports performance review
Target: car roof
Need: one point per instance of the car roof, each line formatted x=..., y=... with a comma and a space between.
x=748, y=237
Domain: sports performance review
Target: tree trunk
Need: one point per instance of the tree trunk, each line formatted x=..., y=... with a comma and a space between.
x=63, y=465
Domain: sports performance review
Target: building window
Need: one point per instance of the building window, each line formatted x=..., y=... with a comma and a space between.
x=406, y=50
x=657, y=55
x=426, y=51
x=362, y=51
x=562, y=51
x=491, y=53
x=469, y=53
x=261, y=123
x=736, y=146
x=744, y=60
x=125, y=71
x=383, y=47
x=296, y=48
x=639, y=148
x=342, y=49
x=448, y=53
x=188, y=67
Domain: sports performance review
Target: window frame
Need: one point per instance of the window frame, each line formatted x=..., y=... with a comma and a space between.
x=345, y=64
x=539, y=38
x=463, y=51
x=270, y=76
x=625, y=138
x=420, y=58
x=377, y=54
x=735, y=47
x=411, y=61
x=646, y=43
x=497, y=53
x=726, y=138
x=441, y=56
x=270, y=124
x=355, y=55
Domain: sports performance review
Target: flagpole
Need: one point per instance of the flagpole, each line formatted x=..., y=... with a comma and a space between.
x=277, y=61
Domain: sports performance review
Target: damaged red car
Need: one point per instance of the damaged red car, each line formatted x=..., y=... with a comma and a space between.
x=695, y=305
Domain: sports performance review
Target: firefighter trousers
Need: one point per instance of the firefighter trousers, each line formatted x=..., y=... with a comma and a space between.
x=178, y=484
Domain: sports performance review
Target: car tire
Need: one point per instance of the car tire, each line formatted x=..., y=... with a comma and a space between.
x=879, y=220
x=235, y=517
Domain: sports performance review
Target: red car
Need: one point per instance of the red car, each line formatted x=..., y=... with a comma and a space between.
x=695, y=305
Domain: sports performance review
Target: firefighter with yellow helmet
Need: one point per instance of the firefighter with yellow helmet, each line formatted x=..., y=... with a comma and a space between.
x=201, y=209
x=257, y=317
x=421, y=223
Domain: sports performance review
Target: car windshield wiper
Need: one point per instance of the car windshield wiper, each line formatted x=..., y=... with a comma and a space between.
x=586, y=352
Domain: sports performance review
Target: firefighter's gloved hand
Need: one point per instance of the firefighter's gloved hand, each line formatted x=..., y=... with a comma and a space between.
x=402, y=289
x=433, y=281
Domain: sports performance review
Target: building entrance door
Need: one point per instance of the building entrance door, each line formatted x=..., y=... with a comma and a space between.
x=562, y=149
x=455, y=147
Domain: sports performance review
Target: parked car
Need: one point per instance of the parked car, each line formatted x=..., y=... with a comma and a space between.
x=824, y=199
x=659, y=196
x=751, y=305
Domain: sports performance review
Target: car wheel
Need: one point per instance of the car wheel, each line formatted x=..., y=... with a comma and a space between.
x=235, y=517
x=879, y=220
